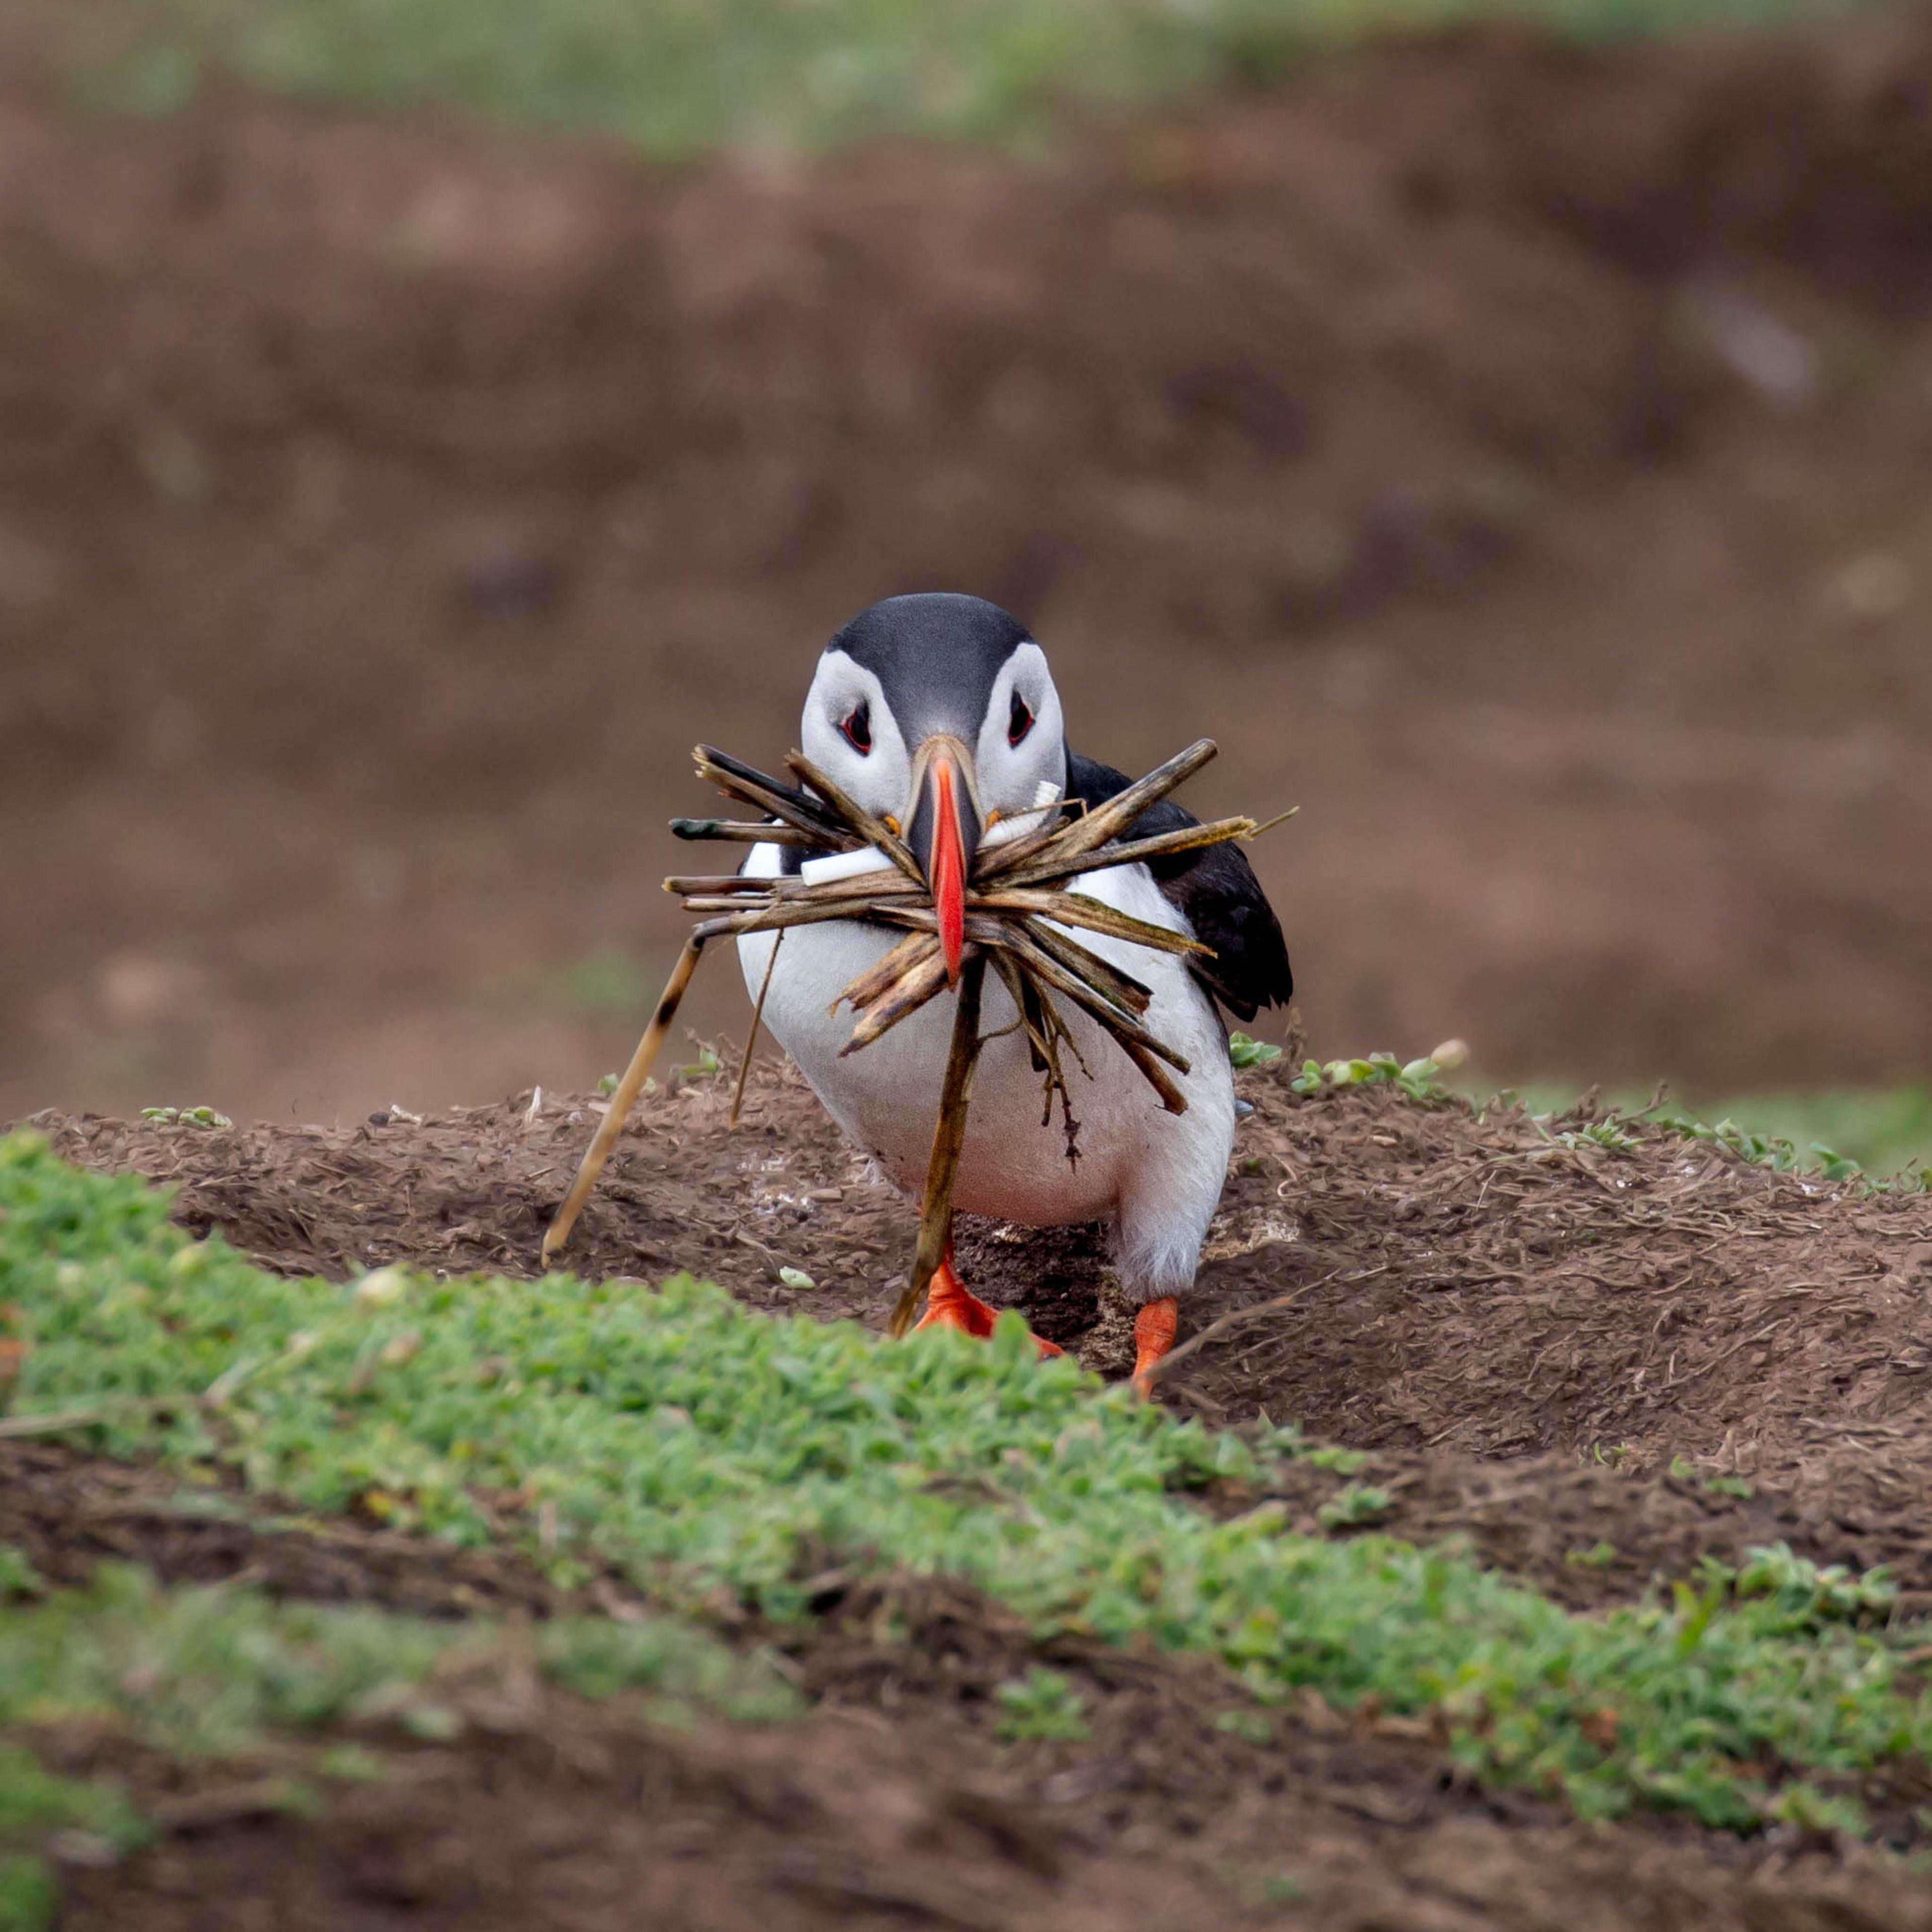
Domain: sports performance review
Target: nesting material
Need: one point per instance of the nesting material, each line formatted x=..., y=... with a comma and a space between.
x=1019, y=909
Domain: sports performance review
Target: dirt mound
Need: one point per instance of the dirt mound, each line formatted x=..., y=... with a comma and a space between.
x=892, y=1803
x=1515, y=457
x=1531, y=1329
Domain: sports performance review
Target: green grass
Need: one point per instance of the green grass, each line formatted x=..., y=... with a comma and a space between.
x=714, y=1455
x=35, y=1804
x=1885, y=1133
x=207, y=1672
x=222, y=1674
x=675, y=78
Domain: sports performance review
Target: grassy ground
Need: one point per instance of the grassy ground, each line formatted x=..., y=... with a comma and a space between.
x=218, y=1674
x=1884, y=1131
x=710, y=1455
x=677, y=77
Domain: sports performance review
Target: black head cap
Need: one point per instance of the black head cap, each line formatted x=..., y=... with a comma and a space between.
x=936, y=655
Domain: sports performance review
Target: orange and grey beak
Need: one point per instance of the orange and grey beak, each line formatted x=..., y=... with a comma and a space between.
x=943, y=829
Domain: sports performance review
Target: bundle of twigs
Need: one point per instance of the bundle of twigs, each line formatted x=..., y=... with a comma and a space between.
x=1017, y=908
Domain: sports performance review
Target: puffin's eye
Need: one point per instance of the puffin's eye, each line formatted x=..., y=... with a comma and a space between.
x=1019, y=721
x=858, y=727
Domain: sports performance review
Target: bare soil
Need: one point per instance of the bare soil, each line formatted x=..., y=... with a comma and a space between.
x=1513, y=457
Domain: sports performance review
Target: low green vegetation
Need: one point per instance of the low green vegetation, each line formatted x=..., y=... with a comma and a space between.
x=1420, y=1079
x=185, y=1116
x=1350, y=1508
x=676, y=78
x=1041, y=1707
x=222, y=1674
x=1244, y=1051
x=35, y=1804
x=710, y=1455
x=206, y=1672
x=1882, y=1132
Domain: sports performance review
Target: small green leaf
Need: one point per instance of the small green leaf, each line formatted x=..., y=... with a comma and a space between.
x=18, y=1577
x=1598, y=1556
x=1244, y=1051
x=1348, y=1509
x=1041, y=1707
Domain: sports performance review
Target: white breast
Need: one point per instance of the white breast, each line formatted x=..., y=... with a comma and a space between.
x=1157, y=1175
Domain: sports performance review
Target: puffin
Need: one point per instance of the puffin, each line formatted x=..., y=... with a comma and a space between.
x=937, y=712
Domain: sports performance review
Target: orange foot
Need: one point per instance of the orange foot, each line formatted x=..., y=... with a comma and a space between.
x=1153, y=1335
x=950, y=1303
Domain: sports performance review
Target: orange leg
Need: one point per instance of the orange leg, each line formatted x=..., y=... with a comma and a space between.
x=950, y=1303
x=1153, y=1335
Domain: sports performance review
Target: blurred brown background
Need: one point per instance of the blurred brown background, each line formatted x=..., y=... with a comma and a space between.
x=1517, y=459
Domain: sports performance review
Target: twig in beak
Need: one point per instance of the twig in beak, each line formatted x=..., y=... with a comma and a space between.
x=738, y=833
x=625, y=1097
x=949, y=1137
x=798, y=809
x=1045, y=1029
x=875, y=979
x=965, y=905
x=752, y=1040
x=916, y=985
x=1121, y=989
x=1124, y=1028
x=872, y=831
x=1103, y=821
x=1056, y=864
x=1078, y=909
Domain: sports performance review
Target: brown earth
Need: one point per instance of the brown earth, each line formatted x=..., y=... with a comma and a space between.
x=1514, y=456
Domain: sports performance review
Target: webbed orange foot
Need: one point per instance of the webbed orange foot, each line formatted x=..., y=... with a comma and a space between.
x=950, y=1303
x=1154, y=1335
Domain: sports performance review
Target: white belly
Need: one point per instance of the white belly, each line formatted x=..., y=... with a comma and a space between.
x=1014, y=1167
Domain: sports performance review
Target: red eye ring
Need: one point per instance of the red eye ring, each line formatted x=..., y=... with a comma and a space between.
x=1019, y=721
x=858, y=727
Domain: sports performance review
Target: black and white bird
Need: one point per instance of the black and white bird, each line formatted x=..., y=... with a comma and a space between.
x=938, y=712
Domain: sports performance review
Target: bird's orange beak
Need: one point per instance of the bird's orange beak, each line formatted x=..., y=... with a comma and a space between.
x=943, y=830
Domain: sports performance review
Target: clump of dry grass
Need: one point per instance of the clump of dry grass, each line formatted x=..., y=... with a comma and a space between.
x=1018, y=909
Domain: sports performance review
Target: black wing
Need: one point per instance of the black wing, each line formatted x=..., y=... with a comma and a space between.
x=1215, y=890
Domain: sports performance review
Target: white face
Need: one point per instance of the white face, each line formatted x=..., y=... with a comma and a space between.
x=1016, y=745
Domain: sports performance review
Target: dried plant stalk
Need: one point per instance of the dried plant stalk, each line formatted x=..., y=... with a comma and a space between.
x=1045, y=1031
x=1101, y=822
x=752, y=1038
x=1078, y=909
x=871, y=831
x=876, y=980
x=1056, y=865
x=904, y=997
x=755, y=833
x=948, y=1138
x=798, y=809
x=1118, y=988
x=622, y=1100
